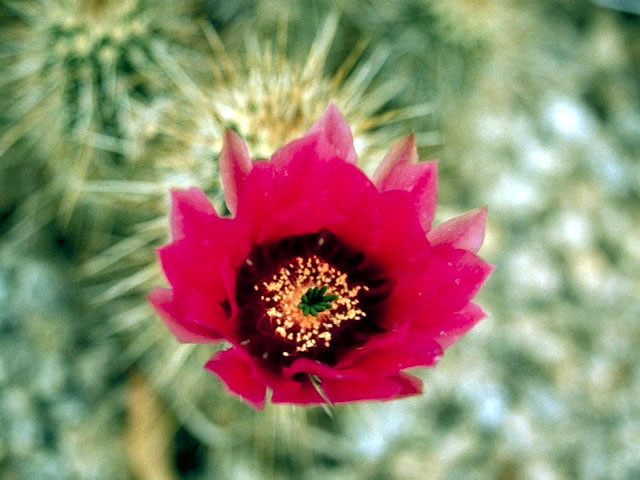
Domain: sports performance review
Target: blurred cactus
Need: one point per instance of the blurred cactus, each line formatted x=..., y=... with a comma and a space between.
x=474, y=21
x=72, y=70
x=271, y=97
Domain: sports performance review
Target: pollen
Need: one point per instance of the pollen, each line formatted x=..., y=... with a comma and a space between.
x=282, y=293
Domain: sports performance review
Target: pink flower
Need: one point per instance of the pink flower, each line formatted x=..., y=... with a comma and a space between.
x=326, y=284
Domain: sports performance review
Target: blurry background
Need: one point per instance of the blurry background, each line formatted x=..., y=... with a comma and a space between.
x=532, y=108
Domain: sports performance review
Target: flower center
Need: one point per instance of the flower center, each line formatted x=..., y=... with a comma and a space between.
x=308, y=295
x=315, y=301
x=300, y=312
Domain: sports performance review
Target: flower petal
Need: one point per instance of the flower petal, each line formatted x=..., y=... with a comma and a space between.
x=465, y=231
x=313, y=367
x=403, y=239
x=392, y=353
x=193, y=321
x=340, y=390
x=277, y=205
x=194, y=220
x=335, y=139
x=235, y=165
x=353, y=196
x=421, y=180
x=400, y=170
x=442, y=283
x=451, y=328
x=196, y=261
x=373, y=388
x=328, y=139
x=409, y=385
x=454, y=277
x=191, y=212
x=309, y=195
x=287, y=390
x=236, y=370
x=402, y=152
x=192, y=267
x=374, y=376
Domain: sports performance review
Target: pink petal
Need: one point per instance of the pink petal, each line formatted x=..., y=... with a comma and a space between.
x=328, y=139
x=199, y=260
x=293, y=391
x=235, y=165
x=402, y=152
x=313, y=367
x=392, y=354
x=335, y=138
x=259, y=198
x=195, y=221
x=301, y=149
x=236, y=370
x=400, y=170
x=277, y=204
x=409, y=385
x=374, y=376
x=199, y=322
x=453, y=326
x=421, y=180
x=192, y=267
x=373, y=388
x=191, y=213
x=346, y=390
x=465, y=231
x=289, y=390
x=308, y=195
x=403, y=239
x=354, y=197
x=442, y=283
x=456, y=277
x=301, y=391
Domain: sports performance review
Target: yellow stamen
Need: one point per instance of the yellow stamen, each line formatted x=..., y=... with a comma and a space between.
x=284, y=291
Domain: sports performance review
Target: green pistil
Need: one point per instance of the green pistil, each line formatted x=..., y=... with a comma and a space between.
x=315, y=301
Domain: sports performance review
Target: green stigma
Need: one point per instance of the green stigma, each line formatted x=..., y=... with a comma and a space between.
x=315, y=301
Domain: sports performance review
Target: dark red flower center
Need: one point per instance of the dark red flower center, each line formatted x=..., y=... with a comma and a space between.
x=308, y=295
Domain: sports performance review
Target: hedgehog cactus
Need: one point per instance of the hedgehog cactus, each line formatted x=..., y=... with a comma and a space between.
x=73, y=68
